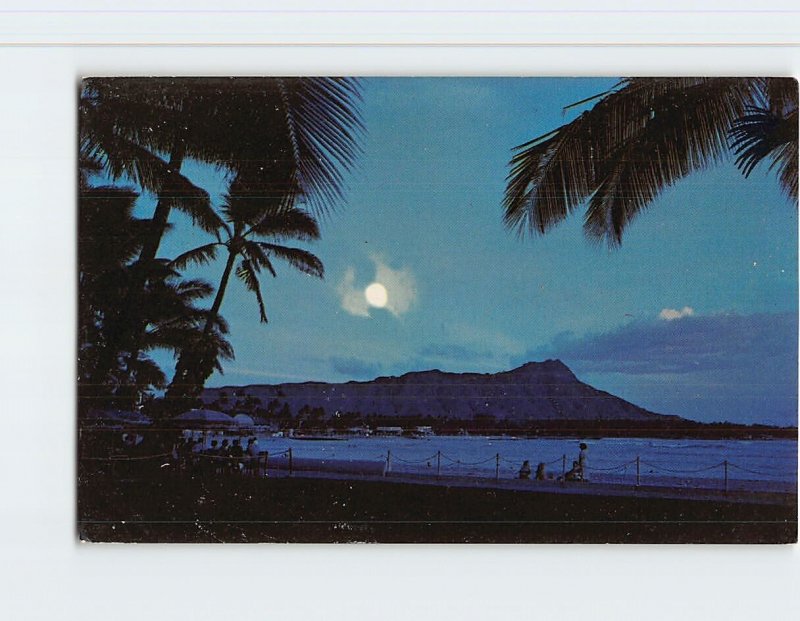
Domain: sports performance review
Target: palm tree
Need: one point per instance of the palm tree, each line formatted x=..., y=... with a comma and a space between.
x=145, y=128
x=299, y=134
x=111, y=370
x=254, y=223
x=642, y=136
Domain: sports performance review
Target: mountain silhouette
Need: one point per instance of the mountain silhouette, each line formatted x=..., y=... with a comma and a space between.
x=547, y=391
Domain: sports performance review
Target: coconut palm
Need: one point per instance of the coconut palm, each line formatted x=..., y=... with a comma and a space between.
x=300, y=134
x=255, y=223
x=111, y=369
x=145, y=128
x=644, y=135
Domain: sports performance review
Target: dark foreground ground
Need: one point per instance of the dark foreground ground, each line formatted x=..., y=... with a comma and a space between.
x=235, y=509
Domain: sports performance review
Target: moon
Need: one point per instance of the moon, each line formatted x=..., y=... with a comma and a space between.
x=376, y=295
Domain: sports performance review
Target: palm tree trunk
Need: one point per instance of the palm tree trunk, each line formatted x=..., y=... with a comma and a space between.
x=213, y=313
x=161, y=214
x=135, y=312
x=191, y=371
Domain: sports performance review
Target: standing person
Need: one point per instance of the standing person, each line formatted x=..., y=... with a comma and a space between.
x=253, y=454
x=210, y=461
x=223, y=463
x=582, y=459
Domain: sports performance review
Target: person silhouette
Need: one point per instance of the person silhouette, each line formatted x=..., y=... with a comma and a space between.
x=582, y=459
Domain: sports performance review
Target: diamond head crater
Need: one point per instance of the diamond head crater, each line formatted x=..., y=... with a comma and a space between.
x=537, y=398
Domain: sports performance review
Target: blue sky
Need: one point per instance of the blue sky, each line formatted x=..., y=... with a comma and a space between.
x=695, y=315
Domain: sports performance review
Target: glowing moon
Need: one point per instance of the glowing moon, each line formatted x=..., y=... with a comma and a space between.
x=376, y=295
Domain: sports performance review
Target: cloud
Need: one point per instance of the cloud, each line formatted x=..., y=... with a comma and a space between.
x=352, y=299
x=400, y=284
x=669, y=314
x=720, y=367
x=692, y=344
x=355, y=368
x=466, y=347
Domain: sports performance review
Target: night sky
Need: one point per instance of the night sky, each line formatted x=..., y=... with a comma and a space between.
x=695, y=315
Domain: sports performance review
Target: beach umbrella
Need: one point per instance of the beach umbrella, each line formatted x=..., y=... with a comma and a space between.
x=133, y=417
x=243, y=420
x=115, y=418
x=205, y=418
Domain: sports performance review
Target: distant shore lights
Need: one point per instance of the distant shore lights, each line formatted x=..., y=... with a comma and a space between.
x=376, y=295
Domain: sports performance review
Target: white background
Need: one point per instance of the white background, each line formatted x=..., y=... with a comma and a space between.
x=46, y=573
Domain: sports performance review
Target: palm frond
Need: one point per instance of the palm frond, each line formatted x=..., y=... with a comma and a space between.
x=324, y=123
x=780, y=95
x=549, y=178
x=122, y=159
x=257, y=257
x=146, y=372
x=202, y=255
x=253, y=194
x=247, y=272
x=290, y=223
x=622, y=153
x=193, y=290
x=764, y=133
x=298, y=258
x=181, y=194
x=686, y=131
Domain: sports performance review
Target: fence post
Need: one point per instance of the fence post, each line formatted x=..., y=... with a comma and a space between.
x=563, y=465
x=388, y=462
x=266, y=463
x=438, y=463
x=497, y=467
x=638, y=478
x=725, y=463
x=290, y=461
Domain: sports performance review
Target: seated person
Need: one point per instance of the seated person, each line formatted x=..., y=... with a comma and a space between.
x=525, y=470
x=574, y=474
x=237, y=453
x=541, y=475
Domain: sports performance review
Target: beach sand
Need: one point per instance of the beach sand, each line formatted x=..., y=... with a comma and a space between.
x=310, y=509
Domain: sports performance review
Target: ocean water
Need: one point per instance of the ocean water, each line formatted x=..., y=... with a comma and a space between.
x=610, y=460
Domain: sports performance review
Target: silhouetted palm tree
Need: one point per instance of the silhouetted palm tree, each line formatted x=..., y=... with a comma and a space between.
x=297, y=134
x=306, y=129
x=643, y=136
x=112, y=369
x=255, y=223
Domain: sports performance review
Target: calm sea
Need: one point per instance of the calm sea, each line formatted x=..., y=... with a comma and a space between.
x=609, y=459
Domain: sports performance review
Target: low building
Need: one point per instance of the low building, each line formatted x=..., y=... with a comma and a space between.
x=389, y=431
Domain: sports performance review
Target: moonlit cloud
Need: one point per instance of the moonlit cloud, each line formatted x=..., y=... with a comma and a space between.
x=353, y=299
x=400, y=285
x=670, y=314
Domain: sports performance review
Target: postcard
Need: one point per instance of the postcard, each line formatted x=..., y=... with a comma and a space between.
x=332, y=309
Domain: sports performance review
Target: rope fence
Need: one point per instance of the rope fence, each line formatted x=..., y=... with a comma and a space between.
x=510, y=468
x=673, y=471
x=613, y=468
